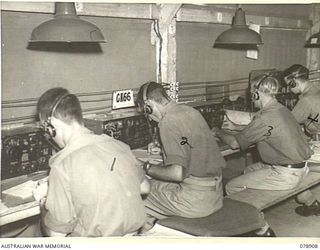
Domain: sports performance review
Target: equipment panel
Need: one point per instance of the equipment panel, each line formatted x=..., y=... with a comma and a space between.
x=134, y=130
x=24, y=151
x=214, y=113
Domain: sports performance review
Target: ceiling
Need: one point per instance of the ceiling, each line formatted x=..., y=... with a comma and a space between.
x=297, y=11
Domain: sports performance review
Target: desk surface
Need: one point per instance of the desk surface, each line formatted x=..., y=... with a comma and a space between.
x=30, y=207
x=19, y=209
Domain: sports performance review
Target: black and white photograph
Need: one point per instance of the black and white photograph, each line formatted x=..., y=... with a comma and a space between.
x=159, y=120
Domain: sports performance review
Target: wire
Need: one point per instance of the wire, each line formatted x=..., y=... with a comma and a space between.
x=31, y=118
x=35, y=104
x=209, y=94
x=109, y=92
x=157, y=31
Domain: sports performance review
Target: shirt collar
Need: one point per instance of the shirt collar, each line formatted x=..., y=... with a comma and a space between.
x=167, y=108
x=273, y=102
x=79, y=139
x=308, y=90
x=269, y=105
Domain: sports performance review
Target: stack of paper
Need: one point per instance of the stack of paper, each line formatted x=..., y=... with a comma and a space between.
x=143, y=155
x=235, y=120
x=22, y=191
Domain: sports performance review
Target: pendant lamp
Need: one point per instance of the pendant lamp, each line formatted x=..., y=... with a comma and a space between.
x=66, y=27
x=239, y=34
x=313, y=41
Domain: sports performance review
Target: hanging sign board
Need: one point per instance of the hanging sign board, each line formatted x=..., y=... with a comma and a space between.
x=122, y=99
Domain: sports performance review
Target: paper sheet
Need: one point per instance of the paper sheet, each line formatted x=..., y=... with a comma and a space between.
x=22, y=191
x=143, y=155
x=233, y=119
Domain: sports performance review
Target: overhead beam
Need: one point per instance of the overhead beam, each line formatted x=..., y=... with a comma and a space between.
x=219, y=16
x=167, y=13
x=142, y=11
x=186, y=13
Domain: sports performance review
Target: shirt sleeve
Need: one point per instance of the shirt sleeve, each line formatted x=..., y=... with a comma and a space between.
x=60, y=216
x=254, y=132
x=140, y=172
x=301, y=111
x=175, y=150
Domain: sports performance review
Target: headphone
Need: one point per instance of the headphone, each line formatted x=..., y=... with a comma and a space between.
x=290, y=78
x=255, y=94
x=146, y=107
x=48, y=127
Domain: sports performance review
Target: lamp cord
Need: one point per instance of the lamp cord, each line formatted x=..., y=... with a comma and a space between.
x=157, y=31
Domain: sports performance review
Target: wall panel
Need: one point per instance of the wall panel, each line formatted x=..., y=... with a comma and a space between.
x=198, y=61
x=126, y=61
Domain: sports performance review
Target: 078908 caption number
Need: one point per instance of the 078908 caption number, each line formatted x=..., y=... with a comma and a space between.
x=308, y=245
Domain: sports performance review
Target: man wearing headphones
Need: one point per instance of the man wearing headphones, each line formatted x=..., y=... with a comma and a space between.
x=95, y=182
x=279, y=139
x=189, y=182
x=306, y=112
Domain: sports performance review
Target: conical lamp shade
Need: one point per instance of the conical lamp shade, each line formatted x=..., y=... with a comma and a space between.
x=239, y=34
x=66, y=27
x=313, y=41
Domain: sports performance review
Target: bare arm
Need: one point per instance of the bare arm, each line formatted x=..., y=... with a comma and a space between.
x=145, y=187
x=228, y=138
x=174, y=172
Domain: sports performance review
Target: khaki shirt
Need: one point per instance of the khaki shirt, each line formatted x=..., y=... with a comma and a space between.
x=94, y=188
x=277, y=134
x=188, y=141
x=307, y=110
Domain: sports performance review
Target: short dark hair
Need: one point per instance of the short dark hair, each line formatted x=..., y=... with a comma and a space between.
x=68, y=109
x=296, y=71
x=155, y=91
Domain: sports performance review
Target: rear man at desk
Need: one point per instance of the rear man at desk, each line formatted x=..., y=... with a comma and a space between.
x=95, y=183
x=306, y=112
x=280, y=141
x=189, y=184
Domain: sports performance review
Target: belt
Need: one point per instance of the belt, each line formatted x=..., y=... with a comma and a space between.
x=203, y=183
x=316, y=137
x=298, y=165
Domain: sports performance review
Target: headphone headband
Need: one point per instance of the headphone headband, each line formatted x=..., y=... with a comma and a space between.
x=299, y=75
x=48, y=127
x=146, y=108
x=289, y=79
x=145, y=90
x=265, y=76
x=57, y=102
x=256, y=95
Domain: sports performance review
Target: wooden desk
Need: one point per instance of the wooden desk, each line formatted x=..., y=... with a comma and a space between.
x=19, y=212
x=19, y=209
x=31, y=207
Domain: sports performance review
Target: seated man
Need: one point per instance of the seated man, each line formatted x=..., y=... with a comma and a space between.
x=95, y=182
x=306, y=112
x=279, y=139
x=189, y=183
